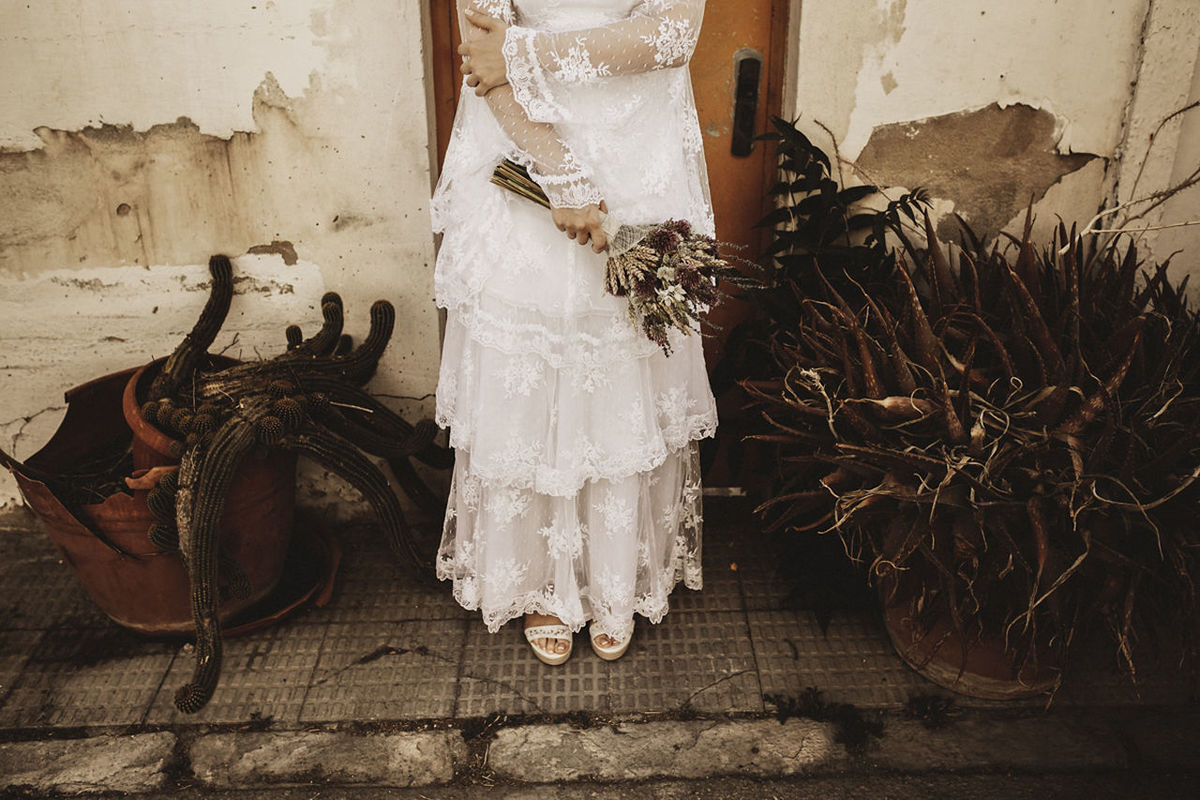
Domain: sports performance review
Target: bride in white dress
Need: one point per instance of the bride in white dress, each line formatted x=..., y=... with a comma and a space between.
x=576, y=492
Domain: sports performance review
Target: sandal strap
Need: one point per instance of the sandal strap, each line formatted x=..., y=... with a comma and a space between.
x=626, y=632
x=547, y=632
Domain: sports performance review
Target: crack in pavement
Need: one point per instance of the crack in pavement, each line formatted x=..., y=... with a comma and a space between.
x=387, y=650
x=708, y=686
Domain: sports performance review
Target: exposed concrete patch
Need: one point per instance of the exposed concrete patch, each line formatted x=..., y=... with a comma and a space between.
x=240, y=760
x=990, y=162
x=85, y=766
x=284, y=250
x=550, y=753
x=1073, y=199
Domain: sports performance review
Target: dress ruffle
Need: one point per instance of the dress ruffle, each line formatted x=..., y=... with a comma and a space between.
x=613, y=549
x=530, y=424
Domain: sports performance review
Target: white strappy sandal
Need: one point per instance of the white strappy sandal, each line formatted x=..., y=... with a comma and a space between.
x=617, y=650
x=535, y=632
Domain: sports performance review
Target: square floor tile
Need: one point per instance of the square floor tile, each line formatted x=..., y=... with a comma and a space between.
x=853, y=662
x=501, y=674
x=386, y=670
x=15, y=649
x=38, y=590
x=87, y=676
x=722, y=591
x=374, y=586
x=264, y=675
x=691, y=660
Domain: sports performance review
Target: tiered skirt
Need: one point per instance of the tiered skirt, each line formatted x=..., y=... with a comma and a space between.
x=576, y=489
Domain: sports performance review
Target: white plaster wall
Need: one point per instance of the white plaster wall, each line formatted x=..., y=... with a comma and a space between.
x=1108, y=71
x=863, y=63
x=1156, y=156
x=72, y=63
x=306, y=122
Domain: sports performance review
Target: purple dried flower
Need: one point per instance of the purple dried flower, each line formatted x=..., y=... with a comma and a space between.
x=680, y=226
x=663, y=240
x=689, y=277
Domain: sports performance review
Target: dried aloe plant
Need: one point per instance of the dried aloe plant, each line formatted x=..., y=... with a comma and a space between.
x=1014, y=434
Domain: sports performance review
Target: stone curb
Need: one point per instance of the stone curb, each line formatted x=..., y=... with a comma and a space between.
x=697, y=749
x=84, y=766
x=549, y=753
x=1022, y=744
x=240, y=760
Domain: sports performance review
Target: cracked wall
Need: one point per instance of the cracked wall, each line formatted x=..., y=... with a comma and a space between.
x=988, y=105
x=137, y=139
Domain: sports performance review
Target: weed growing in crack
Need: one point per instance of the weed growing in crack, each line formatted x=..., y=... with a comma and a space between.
x=933, y=710
x=852, y=727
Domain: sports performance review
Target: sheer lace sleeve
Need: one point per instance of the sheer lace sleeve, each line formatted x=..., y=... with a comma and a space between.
x=537, y=145
x=658, y=34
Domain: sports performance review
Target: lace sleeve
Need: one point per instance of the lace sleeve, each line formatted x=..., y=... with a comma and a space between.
x=536, y=145
x=658, y=34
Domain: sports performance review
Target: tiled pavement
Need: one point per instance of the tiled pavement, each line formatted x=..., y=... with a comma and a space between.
x=392, y=645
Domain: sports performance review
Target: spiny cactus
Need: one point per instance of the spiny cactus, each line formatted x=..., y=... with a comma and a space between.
x=183, y=362
x=309, y=400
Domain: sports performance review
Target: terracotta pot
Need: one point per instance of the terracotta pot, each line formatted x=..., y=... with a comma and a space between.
x=990, y=671
x=142, y=587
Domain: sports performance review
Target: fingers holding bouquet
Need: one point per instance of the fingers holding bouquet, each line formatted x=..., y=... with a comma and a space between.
x=483, y=59
x=669, y=271
x=584, y=224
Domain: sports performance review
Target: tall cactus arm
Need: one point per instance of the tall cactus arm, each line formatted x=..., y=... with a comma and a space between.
x=326, y=339
x=370, y=439
x=412, y=484
x=379, y=418
x=200, y=543
x=341, y=457
x=360, y=364
x=356, y=368
x=182, y=363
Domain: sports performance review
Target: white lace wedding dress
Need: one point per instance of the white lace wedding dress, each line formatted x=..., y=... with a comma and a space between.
x=576, y=485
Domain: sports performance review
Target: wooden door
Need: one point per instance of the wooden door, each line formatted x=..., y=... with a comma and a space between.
x=734, y=33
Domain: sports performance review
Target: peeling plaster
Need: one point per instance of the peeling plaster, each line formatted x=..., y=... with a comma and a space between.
x=989, y=162
x=865, y=63
x=141, y=143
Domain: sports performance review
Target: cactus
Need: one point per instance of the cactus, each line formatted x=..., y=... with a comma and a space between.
x=308, y=400
x=343, y=458
x=199, y=543
x=183, y=362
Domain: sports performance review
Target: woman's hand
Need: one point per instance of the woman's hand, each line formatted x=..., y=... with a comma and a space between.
x=483, y=42
x=583, y=224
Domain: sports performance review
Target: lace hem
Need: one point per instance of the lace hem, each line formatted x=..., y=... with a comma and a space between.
x=531, y=425
x=653, y=607
x=611, y=551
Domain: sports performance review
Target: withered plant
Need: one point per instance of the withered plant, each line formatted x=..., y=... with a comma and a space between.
x=1011, y=435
